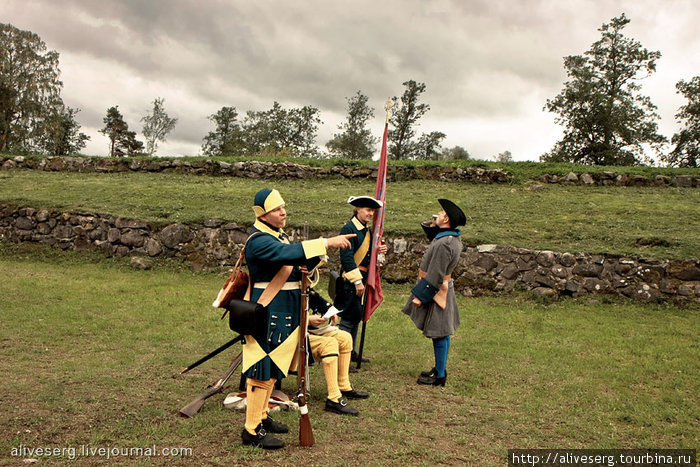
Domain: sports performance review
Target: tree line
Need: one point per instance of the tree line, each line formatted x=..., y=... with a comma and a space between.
x=606, y=119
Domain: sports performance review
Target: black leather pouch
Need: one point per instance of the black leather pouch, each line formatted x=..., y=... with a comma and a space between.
x=245, y=317
x=335, y=287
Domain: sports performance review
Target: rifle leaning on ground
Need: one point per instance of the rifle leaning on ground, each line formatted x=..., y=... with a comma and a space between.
x=306, y=434
x=193, y=407
x=210, y=355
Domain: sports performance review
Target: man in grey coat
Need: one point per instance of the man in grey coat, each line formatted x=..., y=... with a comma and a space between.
x=433, y=305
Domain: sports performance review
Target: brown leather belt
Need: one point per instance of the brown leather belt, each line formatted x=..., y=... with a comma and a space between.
x=441, y=296
x=363, y=268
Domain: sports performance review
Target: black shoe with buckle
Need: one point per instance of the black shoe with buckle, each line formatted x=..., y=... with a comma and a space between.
x=272, y=426
x=261, y=439
x=432, y=373
x=355, y=394
x=432, y=380
x=341, y=407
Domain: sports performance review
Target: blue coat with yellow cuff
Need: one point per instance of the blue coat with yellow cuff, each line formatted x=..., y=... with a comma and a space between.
x=270, y=355
x=351, y=261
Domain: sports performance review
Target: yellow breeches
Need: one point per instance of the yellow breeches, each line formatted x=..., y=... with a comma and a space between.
x=333, y=351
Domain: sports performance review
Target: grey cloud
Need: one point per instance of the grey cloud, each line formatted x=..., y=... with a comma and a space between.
x=480, y=59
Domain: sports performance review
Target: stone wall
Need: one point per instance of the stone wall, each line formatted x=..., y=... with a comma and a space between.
x=251, y=169
x=482, y=269
x=288, y=170
x=614, y=179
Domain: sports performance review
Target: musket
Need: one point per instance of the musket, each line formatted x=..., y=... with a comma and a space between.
x=210, y=355
x=306, y=434
x=193, y=407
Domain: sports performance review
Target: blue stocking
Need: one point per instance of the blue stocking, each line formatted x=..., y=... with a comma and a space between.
x=441, y=345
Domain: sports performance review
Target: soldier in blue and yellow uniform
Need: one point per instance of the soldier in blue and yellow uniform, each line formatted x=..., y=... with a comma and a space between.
x=332, y=346
x=354, y=263
x=267, y=357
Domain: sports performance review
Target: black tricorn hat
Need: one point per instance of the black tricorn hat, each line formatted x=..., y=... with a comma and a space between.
x=453, y=211
x=365, y=202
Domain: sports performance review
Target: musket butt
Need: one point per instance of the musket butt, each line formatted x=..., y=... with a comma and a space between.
x=306, y=434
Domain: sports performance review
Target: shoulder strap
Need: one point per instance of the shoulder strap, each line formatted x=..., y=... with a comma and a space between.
x=240, y=257
x=232, y=281
x=242, y=254
x=364, y=248
x=275, y=284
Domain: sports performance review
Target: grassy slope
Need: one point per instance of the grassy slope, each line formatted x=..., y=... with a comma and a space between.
x=560, y=218
x=87, y=349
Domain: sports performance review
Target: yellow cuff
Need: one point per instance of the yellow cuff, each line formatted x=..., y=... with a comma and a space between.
x=313, y=248
x=353, y=276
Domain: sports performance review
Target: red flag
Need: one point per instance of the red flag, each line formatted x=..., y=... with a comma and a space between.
x=374, y=295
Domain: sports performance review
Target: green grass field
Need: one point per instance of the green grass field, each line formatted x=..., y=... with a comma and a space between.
x=647, y=222
x=88, y=347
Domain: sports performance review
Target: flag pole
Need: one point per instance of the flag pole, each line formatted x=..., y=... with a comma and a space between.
x=377, y=231
x=362, y=336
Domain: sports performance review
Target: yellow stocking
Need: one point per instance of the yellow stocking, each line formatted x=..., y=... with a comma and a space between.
x=256, y=402
x=330, y=371
x=344, y=351
x=268, y=393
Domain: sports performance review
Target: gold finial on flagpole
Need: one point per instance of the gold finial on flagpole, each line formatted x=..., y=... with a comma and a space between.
x=387, y=106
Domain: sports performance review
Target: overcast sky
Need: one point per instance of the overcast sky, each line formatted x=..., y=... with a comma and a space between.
x=489, y=65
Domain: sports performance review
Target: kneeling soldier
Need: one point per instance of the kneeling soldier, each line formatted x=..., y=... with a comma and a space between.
x=332, y=347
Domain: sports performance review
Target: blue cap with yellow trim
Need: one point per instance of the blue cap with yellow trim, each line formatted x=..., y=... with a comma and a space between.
x=266, y=200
